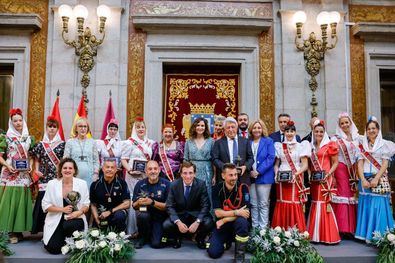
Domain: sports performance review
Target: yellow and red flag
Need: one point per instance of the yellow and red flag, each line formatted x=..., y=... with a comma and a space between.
x=81, y=113
x=56, y=114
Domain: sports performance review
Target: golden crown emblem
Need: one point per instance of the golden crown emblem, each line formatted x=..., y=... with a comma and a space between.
x=202, y=108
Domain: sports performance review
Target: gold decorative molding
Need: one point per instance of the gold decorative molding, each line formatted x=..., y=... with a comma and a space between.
x=201, y=9
x=363, y=13
x=38, y=54
x=135, y=86
x=266, y=79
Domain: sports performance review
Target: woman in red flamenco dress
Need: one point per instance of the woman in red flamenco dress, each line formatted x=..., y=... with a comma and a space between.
x=322, y=225
x=291, y=195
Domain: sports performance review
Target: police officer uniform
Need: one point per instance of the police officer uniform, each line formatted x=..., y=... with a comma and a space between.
x=149, y=222
x=106, y=196
x=234, y=230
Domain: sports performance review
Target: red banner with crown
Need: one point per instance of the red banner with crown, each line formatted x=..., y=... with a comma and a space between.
x=189, y=96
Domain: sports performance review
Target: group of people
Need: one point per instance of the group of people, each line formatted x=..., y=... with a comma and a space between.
x=213, y=187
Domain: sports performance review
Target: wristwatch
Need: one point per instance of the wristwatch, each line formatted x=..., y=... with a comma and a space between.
x=153, y=202
x=198, y=221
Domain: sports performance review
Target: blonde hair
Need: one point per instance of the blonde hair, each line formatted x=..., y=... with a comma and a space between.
x=265, y=133
x=77, y=122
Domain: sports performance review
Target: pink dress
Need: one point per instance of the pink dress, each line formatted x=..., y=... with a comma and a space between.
x=344, y=203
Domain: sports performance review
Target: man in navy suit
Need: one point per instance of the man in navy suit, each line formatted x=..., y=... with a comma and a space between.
x=188, y=207
x=233, y=149
x=278, y=136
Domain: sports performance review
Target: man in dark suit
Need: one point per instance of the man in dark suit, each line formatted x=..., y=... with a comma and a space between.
x=188, y=206
x=242, y=122
x=308, y=137
x=278, y=136
x=233, y=149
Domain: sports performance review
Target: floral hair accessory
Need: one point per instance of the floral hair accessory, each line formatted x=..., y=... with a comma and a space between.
x=343, y=114
x=319, y=122
x=139, y=119
x=114, y=121
x=51, y=118
x=15, y=111
x=372, y=118
x=290, y=123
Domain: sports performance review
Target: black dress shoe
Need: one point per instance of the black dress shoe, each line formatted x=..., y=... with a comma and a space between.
x=201, y=244
x=139, y=243
x=177, y=243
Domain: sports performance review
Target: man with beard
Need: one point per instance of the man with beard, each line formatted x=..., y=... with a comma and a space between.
x=149, y=198
x=279, y=136
x=309, y=136
x=231, y=202
x=242, y=122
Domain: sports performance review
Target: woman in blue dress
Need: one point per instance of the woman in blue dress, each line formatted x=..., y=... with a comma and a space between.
x=374, y=209
x=198, y=151
x=83, y=151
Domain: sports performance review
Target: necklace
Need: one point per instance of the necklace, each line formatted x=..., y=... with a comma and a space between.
x=82, y=157
x=108, y=193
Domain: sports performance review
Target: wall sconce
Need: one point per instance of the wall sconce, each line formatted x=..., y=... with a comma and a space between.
x=314, y=49
x=86, y=43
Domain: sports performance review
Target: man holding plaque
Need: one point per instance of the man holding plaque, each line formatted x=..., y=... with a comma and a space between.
x=233, y=149
x=110, y=198
x=149, y=201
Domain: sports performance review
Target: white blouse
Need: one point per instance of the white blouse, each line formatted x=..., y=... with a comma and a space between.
x=296, y=151
x=131, y=152
x=103, y=152
x=385, y=152
x=352, y=148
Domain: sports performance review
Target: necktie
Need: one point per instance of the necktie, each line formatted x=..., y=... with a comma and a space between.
x=187, y=191
x=282, y=137
x=235, y=151
x=244, y=134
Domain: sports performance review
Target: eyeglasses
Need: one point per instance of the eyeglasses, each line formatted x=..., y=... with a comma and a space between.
x=52, y=126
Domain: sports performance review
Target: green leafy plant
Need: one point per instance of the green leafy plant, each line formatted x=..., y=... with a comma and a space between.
x=386, y=244
x=98, y=246
x=4, y=249
x=274, y=245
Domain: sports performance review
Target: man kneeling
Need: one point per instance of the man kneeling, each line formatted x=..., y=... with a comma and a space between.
x=110, y=199
x=230, y=204
x=149, y=199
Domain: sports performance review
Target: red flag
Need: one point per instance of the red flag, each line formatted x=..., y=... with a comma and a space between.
x=56, y=114
x=81, y=112
x=109, y=115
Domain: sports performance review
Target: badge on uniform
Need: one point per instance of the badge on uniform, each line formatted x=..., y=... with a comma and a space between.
x=159, y=193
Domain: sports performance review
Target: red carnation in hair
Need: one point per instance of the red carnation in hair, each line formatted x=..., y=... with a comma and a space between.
x=322, y=122
x=139, y=119
x=290, y=123
x=15, y=111
x=51, y=118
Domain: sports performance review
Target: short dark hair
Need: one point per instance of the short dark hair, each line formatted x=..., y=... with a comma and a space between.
x=243, y=114
x=62, y=163
x=228, y=166
x=192, y=130
x=186, y=164
x=112, y=125
x=290, y=127
x=283, y=115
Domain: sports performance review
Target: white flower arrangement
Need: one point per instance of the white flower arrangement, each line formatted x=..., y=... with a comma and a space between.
x=96, y=246
x=386, y=244
x=279, y=245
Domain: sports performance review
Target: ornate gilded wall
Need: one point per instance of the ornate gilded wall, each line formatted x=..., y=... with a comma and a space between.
x=135, y=94
x=266, y=79
x=363, y=13
x=36, y=101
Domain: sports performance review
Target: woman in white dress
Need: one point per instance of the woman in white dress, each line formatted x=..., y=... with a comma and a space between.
x=136, y=151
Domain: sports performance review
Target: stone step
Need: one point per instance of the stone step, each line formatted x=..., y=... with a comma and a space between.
x=32, y=251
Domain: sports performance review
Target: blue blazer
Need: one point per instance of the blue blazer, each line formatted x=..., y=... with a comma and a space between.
x=265, y=158
x=276, y=137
